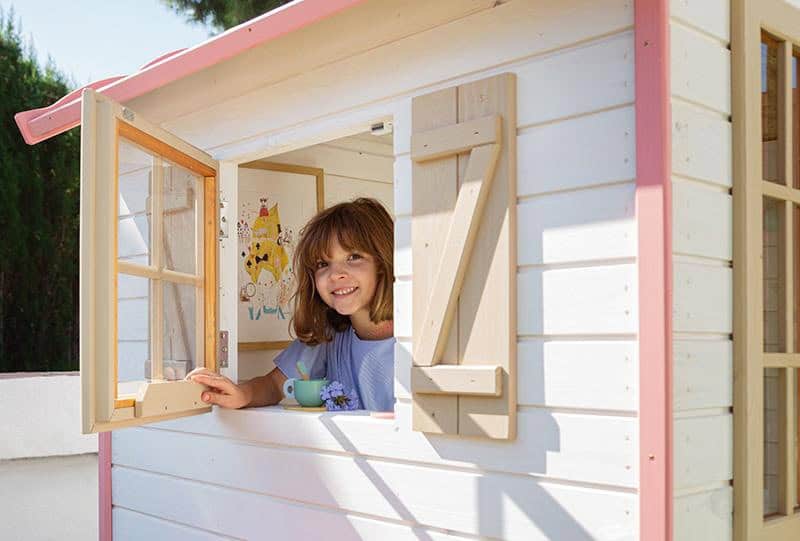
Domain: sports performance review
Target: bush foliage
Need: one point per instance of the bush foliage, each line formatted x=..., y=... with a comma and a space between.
x=39, y=202
x=222, y=14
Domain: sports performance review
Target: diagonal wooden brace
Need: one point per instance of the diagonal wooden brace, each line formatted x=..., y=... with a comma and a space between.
x=461, y=235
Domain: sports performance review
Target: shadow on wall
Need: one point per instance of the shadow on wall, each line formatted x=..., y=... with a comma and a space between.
x=509, y=506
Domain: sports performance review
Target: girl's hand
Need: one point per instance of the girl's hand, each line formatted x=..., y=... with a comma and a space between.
x=222, y=391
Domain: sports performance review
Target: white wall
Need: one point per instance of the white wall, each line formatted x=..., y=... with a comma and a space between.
x=572, y=472
x=702, y=274
x=40, y=416
x=40, y=496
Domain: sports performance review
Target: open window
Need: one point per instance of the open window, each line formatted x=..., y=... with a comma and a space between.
x=147, y=269
x=275, y=197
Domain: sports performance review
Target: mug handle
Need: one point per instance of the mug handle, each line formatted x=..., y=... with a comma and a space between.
x=288, y=388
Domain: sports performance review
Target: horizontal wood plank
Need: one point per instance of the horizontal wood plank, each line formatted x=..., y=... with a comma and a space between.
x=711, y=16
x=460, y=137
x=601, y=150
x=703, y=374
x=341, y=162
x=244, y=515
x=133, y=526
x=461, y=380
x=705, y=453
x=443, y=498
x=549, y=444
x=584, y=225
x=581, y=374
x=590, y=374
x=704, y=515
x=340, y=189
x=701, y=144
x=555, y=86
x=781, y=360
x=702, y=220
x=703, y=298
x=578, y=301
x=701, y=69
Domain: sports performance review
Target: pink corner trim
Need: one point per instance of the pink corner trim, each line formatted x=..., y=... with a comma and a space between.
x=654, y=219
x=105, y=528
x=40, y=124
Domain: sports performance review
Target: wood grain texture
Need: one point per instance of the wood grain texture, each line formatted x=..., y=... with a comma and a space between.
x=487, y=316
x=700, y=69
x=434, y=194
x=461, y=380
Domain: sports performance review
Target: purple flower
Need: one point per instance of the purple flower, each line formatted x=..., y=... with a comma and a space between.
x=336, y=399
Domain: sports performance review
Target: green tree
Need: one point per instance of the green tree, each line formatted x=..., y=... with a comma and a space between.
x=39, y=202
x=222, y=14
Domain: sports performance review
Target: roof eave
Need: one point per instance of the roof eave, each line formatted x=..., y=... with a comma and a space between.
x=40, y=124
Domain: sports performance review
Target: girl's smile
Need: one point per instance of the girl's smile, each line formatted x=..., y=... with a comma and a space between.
x=346, y=280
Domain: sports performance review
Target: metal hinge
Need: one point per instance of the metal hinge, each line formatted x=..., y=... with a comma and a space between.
x=223, y=219
x=222, y=350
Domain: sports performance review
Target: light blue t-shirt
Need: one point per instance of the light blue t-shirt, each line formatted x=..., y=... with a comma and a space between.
x=366, y=366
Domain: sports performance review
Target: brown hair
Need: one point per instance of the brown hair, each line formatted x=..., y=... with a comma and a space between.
x=362, y=225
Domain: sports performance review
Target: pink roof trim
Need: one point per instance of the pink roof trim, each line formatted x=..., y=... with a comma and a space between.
x=39, y=124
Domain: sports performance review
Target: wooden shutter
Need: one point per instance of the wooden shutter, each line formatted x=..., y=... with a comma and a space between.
x=463, y=148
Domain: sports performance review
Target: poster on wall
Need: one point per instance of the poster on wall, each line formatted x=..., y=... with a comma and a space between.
x=274, y=205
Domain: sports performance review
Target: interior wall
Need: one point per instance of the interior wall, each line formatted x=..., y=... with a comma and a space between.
x=356, y=166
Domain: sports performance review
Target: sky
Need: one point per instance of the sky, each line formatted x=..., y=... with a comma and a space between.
x=95, y=39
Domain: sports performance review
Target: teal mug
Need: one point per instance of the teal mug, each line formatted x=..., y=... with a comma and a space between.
x=305, y=391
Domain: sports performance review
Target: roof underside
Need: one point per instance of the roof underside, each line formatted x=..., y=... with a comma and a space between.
x=40, y=124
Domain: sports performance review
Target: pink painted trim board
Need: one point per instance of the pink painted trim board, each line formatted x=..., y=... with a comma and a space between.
x=105, y=526
x=654, y=219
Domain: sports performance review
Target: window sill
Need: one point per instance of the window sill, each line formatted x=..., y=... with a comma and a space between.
x=280, y=410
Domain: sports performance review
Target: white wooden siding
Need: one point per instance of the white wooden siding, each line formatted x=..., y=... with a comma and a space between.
x=500, y=39
x=586, y=225
x=572, y=473
x=702, y=238
x=601, y=150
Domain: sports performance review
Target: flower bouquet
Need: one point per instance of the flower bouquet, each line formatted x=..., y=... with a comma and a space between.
x=336, y=399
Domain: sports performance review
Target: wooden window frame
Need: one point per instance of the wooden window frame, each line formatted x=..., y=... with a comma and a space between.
x=749, y=19
x=104, y=125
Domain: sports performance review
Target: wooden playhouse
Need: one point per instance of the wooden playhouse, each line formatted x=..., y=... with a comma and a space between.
x=591, y=203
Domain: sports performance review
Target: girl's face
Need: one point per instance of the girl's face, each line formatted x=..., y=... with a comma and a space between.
x=346, y=280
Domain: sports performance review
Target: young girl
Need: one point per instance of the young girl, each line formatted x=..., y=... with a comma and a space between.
x=343, y=313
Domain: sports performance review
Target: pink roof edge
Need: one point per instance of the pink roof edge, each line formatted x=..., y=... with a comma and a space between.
x=39, y=124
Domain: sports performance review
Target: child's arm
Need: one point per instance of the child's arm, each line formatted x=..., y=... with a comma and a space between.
x=265, y=390
x=261, y=391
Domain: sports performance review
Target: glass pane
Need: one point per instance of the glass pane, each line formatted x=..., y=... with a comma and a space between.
x=774, y=276
x=771, y=436
x=769, y=107
x=795, y=126
x=794, y=374
x=180, y=328
x=183, y=217
x=135, y=177
x=133, y=333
